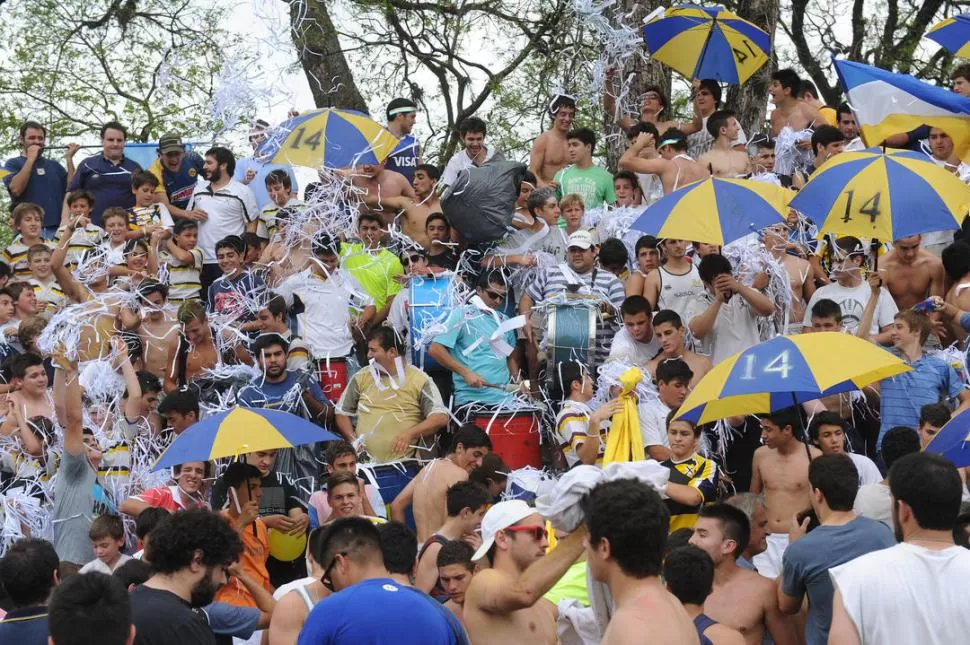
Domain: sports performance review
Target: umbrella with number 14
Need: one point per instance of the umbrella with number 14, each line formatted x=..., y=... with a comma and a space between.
x=328, y=138
x=707, y=43
x=883, y=195
x=785, y=371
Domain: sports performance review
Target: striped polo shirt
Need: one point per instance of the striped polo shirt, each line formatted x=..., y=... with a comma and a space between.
x=599, y=285
x=184, y=280
x=83, y=240
x=572, y=430
x=15, y=256
x=266, y=225
x=931, y=380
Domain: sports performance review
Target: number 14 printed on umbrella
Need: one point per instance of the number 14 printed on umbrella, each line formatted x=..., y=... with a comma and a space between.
x=778, y=365
x=869, y=208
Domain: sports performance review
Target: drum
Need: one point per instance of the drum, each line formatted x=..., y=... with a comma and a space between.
x=570, y=336
x=514, y=435
x=391, y=479
x=332, y=376
x=428, y=304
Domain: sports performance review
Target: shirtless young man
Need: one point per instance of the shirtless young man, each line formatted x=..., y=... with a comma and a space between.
x=722, y=159
x=912, y=274
x=201, y=353
x=377, y=184
x=414, y=211
x=158, y=330
x=504, y=604
x=780, y=470
x=673, y=166
x=31, y=399
x=789, y=110
x=285, y=254
x=800, y=276
x=627, y=523
x=653, y=104
x=742, y=599
x=548, y=154
x=426, y=493
x=956, y=262
x=669, y=331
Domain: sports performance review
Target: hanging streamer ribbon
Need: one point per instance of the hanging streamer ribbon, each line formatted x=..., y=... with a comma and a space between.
x=496, y=340
x=625, y=443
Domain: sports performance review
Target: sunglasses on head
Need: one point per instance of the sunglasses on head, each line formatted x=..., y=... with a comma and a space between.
x=537, y=532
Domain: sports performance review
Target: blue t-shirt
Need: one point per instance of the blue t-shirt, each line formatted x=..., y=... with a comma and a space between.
x=404, y=159
x=232, y=296
x=45, y=187
x=378, y=611
x=806, y=563
x=179, y=185
x=464, y=327
x=25, y=626
x=258, y=184
x=931, y=380
x=110, y=183
x=263, y=394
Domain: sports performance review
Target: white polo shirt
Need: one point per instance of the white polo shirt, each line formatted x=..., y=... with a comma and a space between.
x=229, y=208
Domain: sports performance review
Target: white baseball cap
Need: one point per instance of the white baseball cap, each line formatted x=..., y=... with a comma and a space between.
x=501, y=516
x=580, y=238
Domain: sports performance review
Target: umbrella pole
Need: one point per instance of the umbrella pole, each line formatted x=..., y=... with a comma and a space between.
x=805, y=437
x=249, y=493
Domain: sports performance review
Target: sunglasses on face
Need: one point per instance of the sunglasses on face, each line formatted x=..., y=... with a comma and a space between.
x=414, y=258
x=537, y=532
x=325, y=580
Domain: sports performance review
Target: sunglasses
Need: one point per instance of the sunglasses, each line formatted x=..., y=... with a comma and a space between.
x=495, y=295
x=537, y=532
x=414, y=258
x=325, y=580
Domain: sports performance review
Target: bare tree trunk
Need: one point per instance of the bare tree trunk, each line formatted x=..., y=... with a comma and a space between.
x=322, y=57
x=750, y=101
x=646, y=73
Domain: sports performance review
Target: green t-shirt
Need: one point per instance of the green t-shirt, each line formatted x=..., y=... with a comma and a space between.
x=374, y=272
x=593, y=184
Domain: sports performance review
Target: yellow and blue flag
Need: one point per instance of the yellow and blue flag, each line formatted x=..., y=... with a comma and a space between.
x=952, y=34
x=886, y=103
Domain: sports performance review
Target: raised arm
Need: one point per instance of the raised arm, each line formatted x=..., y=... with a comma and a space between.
x=65, y=279
x=499, y=597
x=631, y=159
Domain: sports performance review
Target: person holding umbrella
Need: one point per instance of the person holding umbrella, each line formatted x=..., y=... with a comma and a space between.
x=244, y=483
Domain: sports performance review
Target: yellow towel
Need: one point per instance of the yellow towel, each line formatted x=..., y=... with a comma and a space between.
x=625, y=443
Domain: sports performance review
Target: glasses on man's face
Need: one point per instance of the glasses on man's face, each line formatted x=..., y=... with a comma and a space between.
x=538, y=533
x=497, y=296
x=327, y=582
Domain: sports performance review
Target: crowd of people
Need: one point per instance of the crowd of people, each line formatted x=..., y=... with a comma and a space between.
x=135, y=303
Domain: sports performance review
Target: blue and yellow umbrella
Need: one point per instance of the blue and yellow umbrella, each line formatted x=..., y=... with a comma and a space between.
x=715, y=211
x=953, y=440
x=707, y=42
x=952, y=34
x=238, y=431
x=786, y=370
x=328, y=138
x=885, y=195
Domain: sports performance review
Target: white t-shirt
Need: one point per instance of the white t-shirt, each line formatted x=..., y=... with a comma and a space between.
x=325, y=321
x=653, y=423
x=735, y=328
x=633, y=351
x=875, y=502
x=100, y=567
x=907, y=595
x=852, y=301
x=868, y=471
